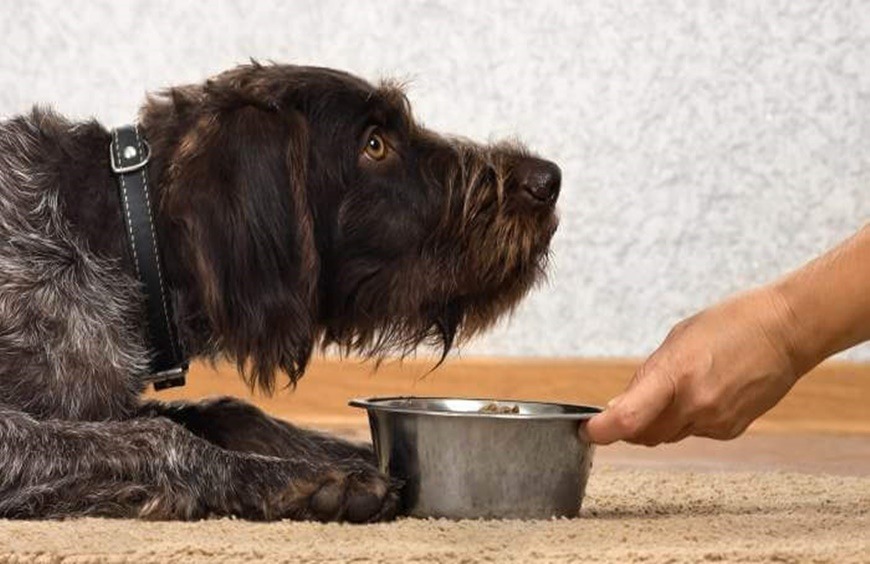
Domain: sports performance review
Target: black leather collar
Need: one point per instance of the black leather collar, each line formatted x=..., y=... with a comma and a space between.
x=129, y=154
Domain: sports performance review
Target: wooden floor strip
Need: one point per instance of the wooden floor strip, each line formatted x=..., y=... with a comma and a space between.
x=833, y=398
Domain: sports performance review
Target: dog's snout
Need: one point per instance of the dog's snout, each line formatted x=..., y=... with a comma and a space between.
x=538, y=181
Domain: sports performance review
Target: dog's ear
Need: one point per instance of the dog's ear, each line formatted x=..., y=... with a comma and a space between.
x=237, y=188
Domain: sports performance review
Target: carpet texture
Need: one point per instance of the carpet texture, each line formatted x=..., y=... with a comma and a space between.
x=629, y=516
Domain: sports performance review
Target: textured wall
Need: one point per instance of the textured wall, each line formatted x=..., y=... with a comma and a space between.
x=704, y=149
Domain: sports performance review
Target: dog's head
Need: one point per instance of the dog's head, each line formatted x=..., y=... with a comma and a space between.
x=307, y=205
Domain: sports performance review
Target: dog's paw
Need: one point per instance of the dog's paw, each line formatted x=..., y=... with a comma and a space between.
x=357, y=494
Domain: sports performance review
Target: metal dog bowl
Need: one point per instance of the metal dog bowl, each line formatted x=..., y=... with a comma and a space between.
x=462, y=459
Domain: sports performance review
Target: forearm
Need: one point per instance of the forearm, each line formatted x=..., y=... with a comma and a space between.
x=827, y=303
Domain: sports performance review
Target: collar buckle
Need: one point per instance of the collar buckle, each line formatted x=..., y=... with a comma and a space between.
x=130, y=159
x=168, y=378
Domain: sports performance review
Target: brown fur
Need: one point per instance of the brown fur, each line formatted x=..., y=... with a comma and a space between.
x=457, y=250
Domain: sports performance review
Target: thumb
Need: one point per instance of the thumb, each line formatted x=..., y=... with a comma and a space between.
x=629, y=414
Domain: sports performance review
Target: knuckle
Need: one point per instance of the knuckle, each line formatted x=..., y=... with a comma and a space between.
x=706, y=403
x=717, y=433
x=700, y=362
x=722, y=434
x=707, y=400
x=736, y=429
x=650, y=441
x=675, y=331
x=723, y=430
x=679, y=328
x=676, y=438
x=644, y=441
x=656, y=367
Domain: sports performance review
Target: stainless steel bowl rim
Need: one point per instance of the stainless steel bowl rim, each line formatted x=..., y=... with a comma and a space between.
x=380, y=404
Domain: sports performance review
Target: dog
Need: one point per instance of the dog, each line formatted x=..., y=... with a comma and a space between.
x=294, y=207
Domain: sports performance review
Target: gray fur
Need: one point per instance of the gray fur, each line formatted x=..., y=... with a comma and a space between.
x=74, y=439
x=66, y=318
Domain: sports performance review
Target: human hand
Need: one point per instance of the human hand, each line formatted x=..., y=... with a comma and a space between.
x=715, y=373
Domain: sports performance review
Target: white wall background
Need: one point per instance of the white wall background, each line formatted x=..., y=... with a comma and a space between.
x=706, y=146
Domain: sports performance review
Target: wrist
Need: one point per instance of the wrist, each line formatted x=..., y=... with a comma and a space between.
x=787, y=331
x=828, y=302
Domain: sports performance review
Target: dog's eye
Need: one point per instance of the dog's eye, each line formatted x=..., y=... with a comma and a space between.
x=376, y=148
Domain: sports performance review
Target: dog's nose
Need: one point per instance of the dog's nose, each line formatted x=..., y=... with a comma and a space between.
x=538, y=181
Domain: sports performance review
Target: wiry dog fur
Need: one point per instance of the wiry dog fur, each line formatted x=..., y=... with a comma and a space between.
x=295, y=206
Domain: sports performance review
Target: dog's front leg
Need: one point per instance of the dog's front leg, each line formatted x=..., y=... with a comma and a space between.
x=236, y=425
x=154, y=468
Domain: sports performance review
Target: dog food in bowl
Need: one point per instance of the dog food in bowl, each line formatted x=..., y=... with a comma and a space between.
x=493, y=407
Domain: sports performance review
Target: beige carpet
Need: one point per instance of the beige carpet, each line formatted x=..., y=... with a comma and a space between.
x=629, y=516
